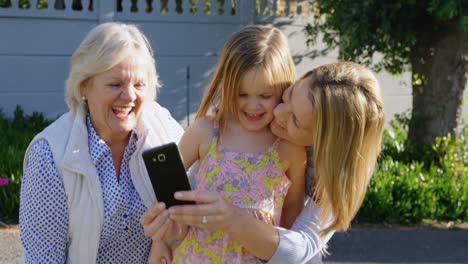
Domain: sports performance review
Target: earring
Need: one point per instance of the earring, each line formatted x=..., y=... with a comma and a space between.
x=83, y=98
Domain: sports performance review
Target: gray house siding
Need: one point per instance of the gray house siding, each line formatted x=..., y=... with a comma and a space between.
x=35, y=47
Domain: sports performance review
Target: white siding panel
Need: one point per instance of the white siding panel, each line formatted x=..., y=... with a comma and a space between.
x=32, y=36
x=51, y=104
x=180, y=39
x=173, y=74
x=32, y=74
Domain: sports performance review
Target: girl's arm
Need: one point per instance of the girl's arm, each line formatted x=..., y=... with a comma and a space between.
x=294, y=201
x=195, y=141
x=43, y=214
x=193, y=145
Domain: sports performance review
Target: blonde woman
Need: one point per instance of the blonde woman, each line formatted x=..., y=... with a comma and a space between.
x=336, y=110
x=85, y=186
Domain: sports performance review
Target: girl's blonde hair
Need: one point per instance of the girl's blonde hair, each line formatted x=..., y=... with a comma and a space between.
x=263, y=48
x=349, y=119
x=104, y=47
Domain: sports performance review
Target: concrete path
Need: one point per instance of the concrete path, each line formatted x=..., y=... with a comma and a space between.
x=10, y=246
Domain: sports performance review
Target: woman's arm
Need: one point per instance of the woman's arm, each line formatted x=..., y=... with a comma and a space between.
x=301, y=244
x=260, y=238
x=43, y=216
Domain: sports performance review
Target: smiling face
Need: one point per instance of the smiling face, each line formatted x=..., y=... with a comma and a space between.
x=294, y=116
x=256, y=101
x=115, y=98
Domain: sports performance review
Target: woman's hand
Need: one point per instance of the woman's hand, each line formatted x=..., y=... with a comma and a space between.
x=159, y=227
x=212, y=211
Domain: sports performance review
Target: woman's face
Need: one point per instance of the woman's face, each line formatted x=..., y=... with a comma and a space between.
x=115, y=98
x=293, y=117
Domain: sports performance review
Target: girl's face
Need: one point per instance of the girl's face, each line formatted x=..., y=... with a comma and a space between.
x=257, y=101
x=115, y=98
x=293, y=117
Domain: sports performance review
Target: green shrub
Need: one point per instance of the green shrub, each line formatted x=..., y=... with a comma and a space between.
x=408, y=193
x=17, y=132
x=410, y=186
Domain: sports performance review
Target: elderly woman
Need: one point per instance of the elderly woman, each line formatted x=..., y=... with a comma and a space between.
x=85, y=186
x=336, y=110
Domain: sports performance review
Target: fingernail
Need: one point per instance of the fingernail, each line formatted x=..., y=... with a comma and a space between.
x=178, y=195
x=161, y=205
x=163, y=260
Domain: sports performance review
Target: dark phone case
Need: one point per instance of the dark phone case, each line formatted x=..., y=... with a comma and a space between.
x=167, y=173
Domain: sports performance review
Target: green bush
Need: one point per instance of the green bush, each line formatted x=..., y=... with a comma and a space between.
x=408, y=193
x=410, y=186
x=17, y=132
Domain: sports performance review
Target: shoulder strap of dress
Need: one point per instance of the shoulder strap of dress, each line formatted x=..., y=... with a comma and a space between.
x=275, y=145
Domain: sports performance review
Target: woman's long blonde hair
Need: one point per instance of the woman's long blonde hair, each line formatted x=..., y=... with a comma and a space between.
x=262, y=48
x=349, y=120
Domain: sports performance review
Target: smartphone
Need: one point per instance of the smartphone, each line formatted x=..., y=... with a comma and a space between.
x=167, y=173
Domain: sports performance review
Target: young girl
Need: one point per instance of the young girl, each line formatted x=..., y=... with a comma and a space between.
x=239, y=156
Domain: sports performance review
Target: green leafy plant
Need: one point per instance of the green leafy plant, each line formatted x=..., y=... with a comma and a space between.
x=410, y=186
x=17, y=132
x=408, y=193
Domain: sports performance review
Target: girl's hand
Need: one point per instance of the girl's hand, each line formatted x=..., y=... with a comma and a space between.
x=159, y=253
x=159, y=227
x=212, y=211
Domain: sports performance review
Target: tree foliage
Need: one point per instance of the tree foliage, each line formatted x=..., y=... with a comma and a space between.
x=393, y=28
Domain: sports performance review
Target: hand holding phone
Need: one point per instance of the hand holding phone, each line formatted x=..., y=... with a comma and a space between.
x=167, y=173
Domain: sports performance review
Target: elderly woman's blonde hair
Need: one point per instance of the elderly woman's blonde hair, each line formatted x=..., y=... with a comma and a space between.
x=104, y=47
x=348, y=119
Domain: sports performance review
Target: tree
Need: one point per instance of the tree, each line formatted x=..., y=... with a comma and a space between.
x=427, y=37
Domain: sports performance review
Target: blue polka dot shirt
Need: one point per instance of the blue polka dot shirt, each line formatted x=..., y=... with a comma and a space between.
x=44, y=213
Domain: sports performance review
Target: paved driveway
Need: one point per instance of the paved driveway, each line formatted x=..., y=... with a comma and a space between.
x=399, y=245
